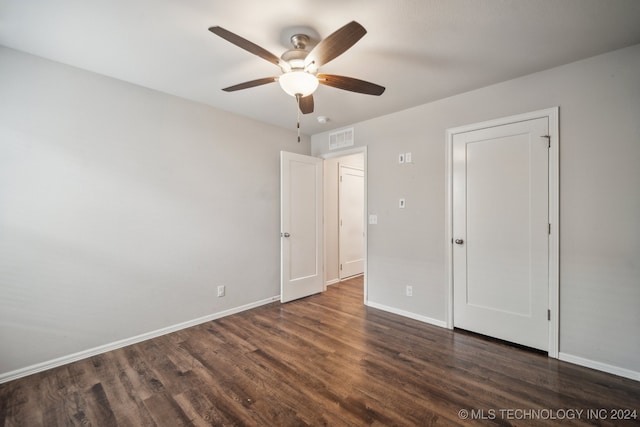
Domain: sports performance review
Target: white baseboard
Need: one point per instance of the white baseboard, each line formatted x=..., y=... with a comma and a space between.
x=332, y=282
x=599, y=366
x=29, y=370
x=424, y=319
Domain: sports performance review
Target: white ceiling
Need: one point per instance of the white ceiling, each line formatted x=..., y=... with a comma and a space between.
x=420, y=50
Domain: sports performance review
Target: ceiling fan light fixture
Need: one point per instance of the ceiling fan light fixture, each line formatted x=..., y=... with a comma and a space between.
x=298, y=83
x=300, y=66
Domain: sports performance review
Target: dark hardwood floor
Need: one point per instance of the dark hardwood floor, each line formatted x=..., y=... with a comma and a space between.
x=323, y=360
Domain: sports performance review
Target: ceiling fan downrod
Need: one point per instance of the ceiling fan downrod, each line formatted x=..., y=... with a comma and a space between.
x=300, y=41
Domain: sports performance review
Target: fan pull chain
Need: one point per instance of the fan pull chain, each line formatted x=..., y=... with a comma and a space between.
x=298, y=99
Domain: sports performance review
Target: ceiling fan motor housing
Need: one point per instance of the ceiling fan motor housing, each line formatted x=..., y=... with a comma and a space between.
x=296, y=56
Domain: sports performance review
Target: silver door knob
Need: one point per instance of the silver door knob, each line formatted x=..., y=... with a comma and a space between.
x=459, y=241
x=286, y=235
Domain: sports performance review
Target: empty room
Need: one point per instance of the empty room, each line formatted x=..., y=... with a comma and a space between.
x=434, y=217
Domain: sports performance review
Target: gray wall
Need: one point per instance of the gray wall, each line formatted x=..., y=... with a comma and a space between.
x=599, y=100
x=122, y=209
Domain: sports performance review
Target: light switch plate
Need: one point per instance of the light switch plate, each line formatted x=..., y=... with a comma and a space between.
x=373, y=219
x=407, y=157
x=402, y=203
x=401, y=158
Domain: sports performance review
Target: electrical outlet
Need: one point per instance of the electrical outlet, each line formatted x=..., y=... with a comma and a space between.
x=407, y=157
x=373, y=219
x=221, y=291
x=409, y=290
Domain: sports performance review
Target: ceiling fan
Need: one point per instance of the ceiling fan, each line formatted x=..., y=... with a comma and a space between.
x=299, y=66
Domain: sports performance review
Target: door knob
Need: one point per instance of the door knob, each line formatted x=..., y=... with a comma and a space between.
x=286, y=235
x=459, y=241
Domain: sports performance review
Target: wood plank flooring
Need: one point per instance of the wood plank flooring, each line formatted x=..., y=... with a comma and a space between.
x=322, y=360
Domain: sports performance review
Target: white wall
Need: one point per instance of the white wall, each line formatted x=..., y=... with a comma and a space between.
x=599, y=100
x=122, y=209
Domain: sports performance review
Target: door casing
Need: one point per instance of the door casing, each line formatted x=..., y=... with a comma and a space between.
x=552, y=115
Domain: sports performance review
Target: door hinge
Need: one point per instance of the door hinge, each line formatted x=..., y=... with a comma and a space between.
x=549, y=229
x=549, y=314
x=548, y=140
x=340, y=267
x=340, y=178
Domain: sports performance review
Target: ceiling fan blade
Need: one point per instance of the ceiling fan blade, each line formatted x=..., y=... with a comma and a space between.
x=335, y=44
x=252, y=83
x=350, y=84
x=248, y=46
x=306, y=104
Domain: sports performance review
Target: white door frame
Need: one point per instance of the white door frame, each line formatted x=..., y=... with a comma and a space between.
x=554, y=204
x=347, y=152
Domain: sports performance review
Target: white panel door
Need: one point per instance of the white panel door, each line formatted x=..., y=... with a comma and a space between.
x=301, y=231
x=351, y=212
x=501, y=232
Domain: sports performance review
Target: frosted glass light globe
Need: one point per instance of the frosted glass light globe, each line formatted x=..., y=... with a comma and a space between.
x=298, y=83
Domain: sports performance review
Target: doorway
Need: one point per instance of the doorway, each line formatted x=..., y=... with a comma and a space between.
x=350, y=220
x=345, y=243
x=309, y=216
x=502, y=240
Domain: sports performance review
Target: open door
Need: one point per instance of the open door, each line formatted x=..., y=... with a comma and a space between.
x=301, y=230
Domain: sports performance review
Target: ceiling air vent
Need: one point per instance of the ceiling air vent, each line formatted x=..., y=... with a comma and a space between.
x=341, y=139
